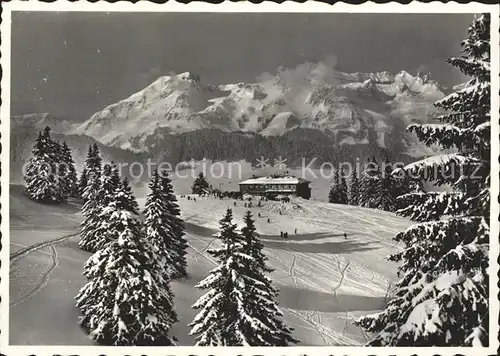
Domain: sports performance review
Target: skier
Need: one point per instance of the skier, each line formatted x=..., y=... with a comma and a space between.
x=189, y=198
x=281, y=233
x=268, y=220
x=285, y=235
x=345, y=235
x=259, y=215
x=194, y=200
x=234, y=204
x=295, y=231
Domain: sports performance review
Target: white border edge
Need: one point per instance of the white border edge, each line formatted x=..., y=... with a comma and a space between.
x=287, y=7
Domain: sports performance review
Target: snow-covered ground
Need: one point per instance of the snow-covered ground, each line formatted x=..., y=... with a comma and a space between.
x=325, y=280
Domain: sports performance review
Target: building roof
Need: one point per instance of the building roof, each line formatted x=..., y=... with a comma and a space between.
x=275, y=180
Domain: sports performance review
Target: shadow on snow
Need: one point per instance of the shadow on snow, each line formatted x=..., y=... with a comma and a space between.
x=307, y=299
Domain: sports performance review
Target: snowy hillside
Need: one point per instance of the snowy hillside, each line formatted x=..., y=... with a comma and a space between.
x=350, y=106
x=325, y=281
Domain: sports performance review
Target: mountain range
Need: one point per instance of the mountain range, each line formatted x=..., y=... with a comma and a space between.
x=179, y=117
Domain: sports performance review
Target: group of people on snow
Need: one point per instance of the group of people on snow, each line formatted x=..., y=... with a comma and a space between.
x=284, y=235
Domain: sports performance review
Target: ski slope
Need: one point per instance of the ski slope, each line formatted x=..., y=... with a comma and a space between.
x=325, y=280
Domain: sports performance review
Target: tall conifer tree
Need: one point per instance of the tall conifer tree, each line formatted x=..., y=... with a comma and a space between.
x=160, y=229
x=276, y=333
x=443, y=296
x=42, y=176
x=176, y=224
x=68, y=171
x=353, y=185
x=369, y=196
x=82, y=182
x=238, y=309
x=387, y=188
x=125, y=301
x=338, y=189
x=93, y=205
x=200, y=184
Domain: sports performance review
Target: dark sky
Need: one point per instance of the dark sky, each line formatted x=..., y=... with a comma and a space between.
x=74, y=64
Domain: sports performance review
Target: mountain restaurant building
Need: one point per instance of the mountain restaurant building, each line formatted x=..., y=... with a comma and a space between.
x=273, y=186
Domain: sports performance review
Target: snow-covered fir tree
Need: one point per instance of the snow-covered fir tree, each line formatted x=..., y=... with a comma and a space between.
x=61, y=169
x=129, y=196
x=200, y=185
x=238, y=309
x=162, y=228
x=68, y=171
x=93, y=163
x=157, y=233
x=92, y=206
x=369, y=196
x=442, y=298
x=125, y=301
x=110, y=180
x=82, y=182
x=404, y=184
x=176, y=224
x=252, y=245
x=338, y=189
x=91, y=210
x=353, y=187
x=96, y=228
x=91, y=168
x=126, y=201
x=274, y=333
x=387, y=188
x=41, y=177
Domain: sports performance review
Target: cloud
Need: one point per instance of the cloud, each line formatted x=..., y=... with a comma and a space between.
x=299, y=82
x=150, y=75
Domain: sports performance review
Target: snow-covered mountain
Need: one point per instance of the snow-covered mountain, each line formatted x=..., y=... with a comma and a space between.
x=346, y=106
x=39, y=121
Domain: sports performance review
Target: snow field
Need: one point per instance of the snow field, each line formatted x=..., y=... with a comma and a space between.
x=325, y=281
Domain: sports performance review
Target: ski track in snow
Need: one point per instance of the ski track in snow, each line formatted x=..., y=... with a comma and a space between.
x=42, y=252
x=54, y=262
x=42, y=282
x=342, y=265
x=325, y=272
x=28, y=249
x=330, y=336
